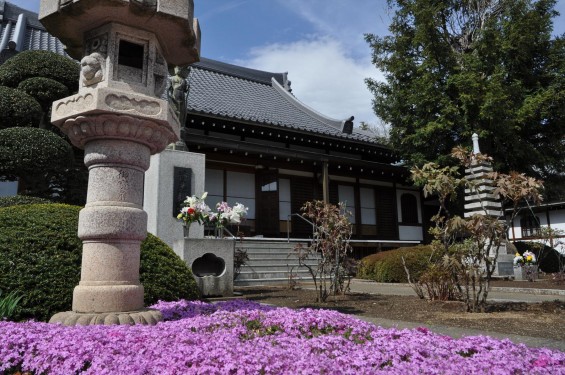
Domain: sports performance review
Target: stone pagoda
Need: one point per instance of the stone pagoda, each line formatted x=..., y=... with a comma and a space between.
x=125, y=48
x=480, y=200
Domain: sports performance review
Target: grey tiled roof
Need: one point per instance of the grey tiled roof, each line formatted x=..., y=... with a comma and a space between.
x=216, y=88
x=35, y=35
x=237, y=93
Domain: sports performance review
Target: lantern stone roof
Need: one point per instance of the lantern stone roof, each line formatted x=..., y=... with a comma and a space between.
x=241, y=94
x=23, y=27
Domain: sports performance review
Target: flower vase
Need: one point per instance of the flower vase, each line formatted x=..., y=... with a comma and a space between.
x=186, y=230
x=526, y=272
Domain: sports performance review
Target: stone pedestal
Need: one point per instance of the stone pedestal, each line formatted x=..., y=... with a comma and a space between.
x=113, y=223
x=526, y=273
x=211, y=262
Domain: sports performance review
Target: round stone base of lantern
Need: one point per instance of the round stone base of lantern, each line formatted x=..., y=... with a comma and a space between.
x=71, y=318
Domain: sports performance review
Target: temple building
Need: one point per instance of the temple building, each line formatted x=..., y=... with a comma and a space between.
x=268, y=150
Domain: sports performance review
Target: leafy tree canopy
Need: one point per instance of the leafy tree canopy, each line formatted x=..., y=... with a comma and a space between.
x=454, y=67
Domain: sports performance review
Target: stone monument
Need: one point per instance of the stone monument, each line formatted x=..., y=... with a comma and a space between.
x=126, y=48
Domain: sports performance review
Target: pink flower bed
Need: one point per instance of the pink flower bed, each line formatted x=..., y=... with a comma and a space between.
x=240, y=337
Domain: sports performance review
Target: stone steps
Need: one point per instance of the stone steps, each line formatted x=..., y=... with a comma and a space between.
x=271, y=263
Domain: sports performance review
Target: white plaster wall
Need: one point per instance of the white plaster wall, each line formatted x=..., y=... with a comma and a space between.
x=557, y=219
x=8, y=188
x=518, y=228
x=414, y=233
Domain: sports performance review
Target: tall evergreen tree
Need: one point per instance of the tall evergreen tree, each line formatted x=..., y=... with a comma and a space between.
x=455, y=67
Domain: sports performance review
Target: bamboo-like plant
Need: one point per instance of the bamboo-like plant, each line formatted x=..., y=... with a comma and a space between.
x=8, y=304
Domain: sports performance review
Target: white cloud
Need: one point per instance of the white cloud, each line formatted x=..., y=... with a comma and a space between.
x=322, y=75
x=346, y=21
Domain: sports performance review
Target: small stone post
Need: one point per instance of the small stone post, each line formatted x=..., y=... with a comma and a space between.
x=125, y=47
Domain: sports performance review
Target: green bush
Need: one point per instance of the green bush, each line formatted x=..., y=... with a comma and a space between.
x=44, y=90
x=37, y=63
x=28, y=152
x=40, y=256
x=18, y=200
x=18, y=108
x=163, y=274
x=386, y=266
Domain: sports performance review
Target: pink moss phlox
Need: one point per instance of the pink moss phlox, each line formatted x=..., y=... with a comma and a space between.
x=241, y=337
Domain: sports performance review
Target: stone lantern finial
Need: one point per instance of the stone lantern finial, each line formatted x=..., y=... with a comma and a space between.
x=475, y=138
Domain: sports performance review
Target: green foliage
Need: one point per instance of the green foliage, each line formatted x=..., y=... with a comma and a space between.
x=454, y=68
x=44, y=90
x=19, y=200
x=37, y=63
x=40, y=255
x=386, y=266
x=8, y=304
x=18, y=108
x=28, y=152
x=163, y=274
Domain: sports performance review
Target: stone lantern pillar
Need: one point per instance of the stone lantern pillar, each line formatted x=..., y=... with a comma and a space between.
x=125, y=47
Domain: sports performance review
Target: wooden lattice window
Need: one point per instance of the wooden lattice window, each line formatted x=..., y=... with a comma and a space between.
x=530, y=226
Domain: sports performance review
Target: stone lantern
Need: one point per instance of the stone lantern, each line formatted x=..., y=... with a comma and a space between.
x=125, y=48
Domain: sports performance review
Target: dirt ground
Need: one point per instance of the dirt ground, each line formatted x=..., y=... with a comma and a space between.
x=546, y=320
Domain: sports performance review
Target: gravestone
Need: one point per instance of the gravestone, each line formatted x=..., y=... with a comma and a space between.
x=125, y=48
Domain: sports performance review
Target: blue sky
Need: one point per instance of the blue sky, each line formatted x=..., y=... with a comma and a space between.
x=318, y=42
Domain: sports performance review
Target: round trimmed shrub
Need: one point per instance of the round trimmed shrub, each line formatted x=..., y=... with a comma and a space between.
x=40, y=257
x=18, y=200
x=30, y=151
x=164, y=275
x=37, y=63
x=18, y=108
x=386, y=266
x=44, y=90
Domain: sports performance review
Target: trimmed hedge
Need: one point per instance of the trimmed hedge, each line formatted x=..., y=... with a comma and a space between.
x=31, y=151
x=386, y=266
x=18, y=109
x=40, y=257
x=44, y=90
x=19, y=200
x=37, y=63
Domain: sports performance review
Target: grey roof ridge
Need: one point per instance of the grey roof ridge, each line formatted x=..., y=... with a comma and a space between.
x=303, y=107
x=249, y=74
